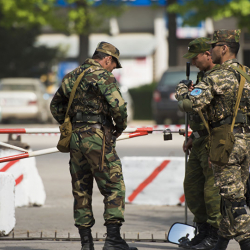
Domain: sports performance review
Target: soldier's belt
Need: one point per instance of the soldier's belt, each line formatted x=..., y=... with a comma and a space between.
x=86, y=118
x=199, y=133
x=241, y=129
x=83, y=124
x=240, y=118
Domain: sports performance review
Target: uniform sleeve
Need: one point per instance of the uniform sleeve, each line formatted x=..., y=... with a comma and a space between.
x=58, y=106
x=181, y=92
x=118, y=107
x=200, y=96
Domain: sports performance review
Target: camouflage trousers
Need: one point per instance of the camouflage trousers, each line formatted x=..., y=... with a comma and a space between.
x=202, y=197
x=85, y=158
x=231, y=179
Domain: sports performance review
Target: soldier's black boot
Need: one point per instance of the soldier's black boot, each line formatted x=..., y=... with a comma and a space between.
x=114, y=241
x=221, y=244
x=203, y=229
x=210, y=241
x=245, y=244
x=86, y=239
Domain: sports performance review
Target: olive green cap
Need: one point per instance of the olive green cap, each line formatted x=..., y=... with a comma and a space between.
x=196, y=47
x=228, y=36
x=110, y=50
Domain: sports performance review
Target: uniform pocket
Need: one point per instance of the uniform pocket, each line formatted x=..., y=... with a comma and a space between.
x=221, y=144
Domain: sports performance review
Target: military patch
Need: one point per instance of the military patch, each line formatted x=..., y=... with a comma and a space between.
x=196, y=92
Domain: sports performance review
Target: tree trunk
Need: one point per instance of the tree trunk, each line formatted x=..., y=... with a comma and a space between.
x=83, y=48
x=172, y=40
x=84, y=37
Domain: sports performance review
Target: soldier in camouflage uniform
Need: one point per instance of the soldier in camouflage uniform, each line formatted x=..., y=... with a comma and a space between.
x=202, y=198
x=217, y=94
x=96, y=104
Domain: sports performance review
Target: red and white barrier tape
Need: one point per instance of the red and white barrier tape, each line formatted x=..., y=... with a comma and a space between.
x=55, y=150
x=12, y=147
x=155, y=128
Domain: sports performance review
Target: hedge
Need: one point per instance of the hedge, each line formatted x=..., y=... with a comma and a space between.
x=142, y=98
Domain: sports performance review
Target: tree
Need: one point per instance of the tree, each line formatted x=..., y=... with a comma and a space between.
x=75, y=16
x=194, y=11
x=19, y=56
x=172, y=40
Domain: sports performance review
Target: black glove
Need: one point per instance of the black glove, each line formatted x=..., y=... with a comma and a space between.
x=187, y=82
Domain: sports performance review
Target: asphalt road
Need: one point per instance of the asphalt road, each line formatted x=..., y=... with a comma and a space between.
x=55, y=218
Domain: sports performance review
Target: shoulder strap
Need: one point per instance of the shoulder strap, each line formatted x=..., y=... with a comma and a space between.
x=204, y=121
x=72, y=94
x=242, y=83
x=242, y=71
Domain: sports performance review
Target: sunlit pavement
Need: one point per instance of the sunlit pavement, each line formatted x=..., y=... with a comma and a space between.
x=56, y=216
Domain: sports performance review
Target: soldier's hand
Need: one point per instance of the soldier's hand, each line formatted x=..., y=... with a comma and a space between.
x=187, y=82
x=191, y=87
x=209, y=163
x=116, y=134
x=187, y=146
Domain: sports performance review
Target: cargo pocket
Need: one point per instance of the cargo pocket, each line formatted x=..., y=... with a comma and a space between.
x=114, y=166
x=221, y=144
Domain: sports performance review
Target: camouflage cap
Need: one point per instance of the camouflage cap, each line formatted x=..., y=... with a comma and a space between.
x=229, y=36
x=196, y=47
x=110, y=50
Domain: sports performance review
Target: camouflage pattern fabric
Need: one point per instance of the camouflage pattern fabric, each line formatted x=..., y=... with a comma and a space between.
x=202, y=198
x=196, y=47
x=97, y=93
x=228, y=36
x=217, y=94
x=85, y=153
x=195, y=121
x=219, y=87
x=109, y=49
x=232, y=180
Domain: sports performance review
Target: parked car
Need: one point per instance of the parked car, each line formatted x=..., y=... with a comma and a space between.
x=164, y=105
x=23, y=98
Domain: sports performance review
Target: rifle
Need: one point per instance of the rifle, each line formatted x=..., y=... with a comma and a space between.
x=186, y=135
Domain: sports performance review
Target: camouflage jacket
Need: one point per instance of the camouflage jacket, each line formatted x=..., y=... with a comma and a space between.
x=194, y=119
x=97, y=93
x=216, y=94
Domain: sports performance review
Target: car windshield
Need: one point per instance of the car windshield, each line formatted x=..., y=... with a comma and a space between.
x=172, y=78
x=17, y=87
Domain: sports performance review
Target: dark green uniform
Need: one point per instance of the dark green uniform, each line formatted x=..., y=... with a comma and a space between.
x=97, y=100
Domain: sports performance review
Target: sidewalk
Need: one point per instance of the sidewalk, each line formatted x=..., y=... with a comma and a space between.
x=75, y=245
x=57, y=213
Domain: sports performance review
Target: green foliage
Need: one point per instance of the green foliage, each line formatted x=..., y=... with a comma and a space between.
x=19, y=57
x=25, y=12
x=142, y=97
x=216, y=9
x=80, y=16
